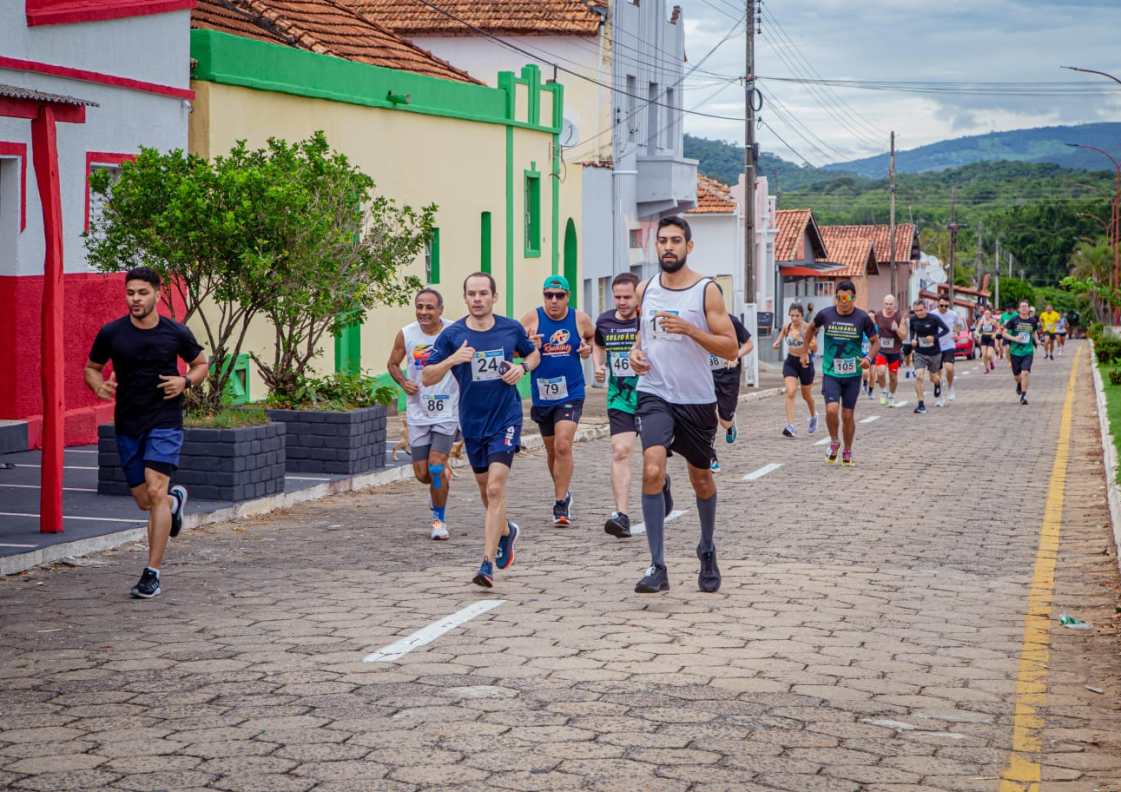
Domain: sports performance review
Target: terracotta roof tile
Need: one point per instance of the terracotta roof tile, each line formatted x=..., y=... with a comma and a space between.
x=322, y=26
x=880, y=235
x=851, y=252
x=792, y=225
x=713, y=197
x=507, y=17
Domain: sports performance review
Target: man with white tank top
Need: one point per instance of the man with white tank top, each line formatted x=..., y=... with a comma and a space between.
x=432, y=411
x=683, y=321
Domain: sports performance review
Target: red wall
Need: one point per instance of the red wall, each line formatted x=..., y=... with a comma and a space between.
x=91, y=300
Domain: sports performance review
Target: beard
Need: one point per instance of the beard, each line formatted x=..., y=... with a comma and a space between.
x=674, y=265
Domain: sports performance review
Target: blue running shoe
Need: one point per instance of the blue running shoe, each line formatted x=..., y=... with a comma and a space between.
x=505, y=556
x=731, y=435
x=485, y=576
x=715, y=466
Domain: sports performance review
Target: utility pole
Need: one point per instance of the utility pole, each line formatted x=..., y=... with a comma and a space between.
x=749, y=291
x=953, y=228
x=996, y=276
x=891, y=233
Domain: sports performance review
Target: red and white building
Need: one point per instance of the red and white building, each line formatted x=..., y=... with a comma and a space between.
x=83, y=85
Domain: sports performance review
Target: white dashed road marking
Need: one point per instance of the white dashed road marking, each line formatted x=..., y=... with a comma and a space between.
x=427, y=635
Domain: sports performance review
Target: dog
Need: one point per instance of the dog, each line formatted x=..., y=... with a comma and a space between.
x=455, y=454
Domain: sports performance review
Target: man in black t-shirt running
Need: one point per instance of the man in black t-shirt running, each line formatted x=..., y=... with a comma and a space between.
x=144, y=348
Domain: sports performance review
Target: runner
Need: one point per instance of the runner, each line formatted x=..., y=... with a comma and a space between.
x=985, y=332
x=144, y=348
x=868, y=375
x=479, y=350
x=926, y=329
x=892, y=329
x=845, y=326
x=798, y=367
x=616, y=331
x=726, y=377
x=1062, y=327
x=684, y=321
x=1024, y=335
x=564, y=336
x=432, y=412
x=952, y=319
x=1006, y=316
x=1049, y=319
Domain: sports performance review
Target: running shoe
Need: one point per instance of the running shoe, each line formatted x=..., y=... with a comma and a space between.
x=562, y=511
x=891, y=402
x=937, y=389
x=654, y=581
x=618, y=525
x=939, y=402
x=667, y=495
x=485, y=576
x=831, y=455
x=846, y=458
x=731, y=435
x=920, y=409
x=813, y=424
x=1024, y=399
x=439, y=531
x=715, y=466
x=788, y=430
x=148, y=586
x=1019, y=390
x=504, y=558
x=708, y=579
x=883, y=398
x=871, y=392
x=178, y=495
x=953, y=393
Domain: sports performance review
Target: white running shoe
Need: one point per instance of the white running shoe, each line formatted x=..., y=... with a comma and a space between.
x=891, y=401
x=813, y=425
x=883, y=398
x=953, y=393
x=940, y=402
x=439, y=531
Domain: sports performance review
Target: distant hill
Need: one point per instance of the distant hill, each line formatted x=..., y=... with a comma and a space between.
x=1041, y=145
x=723, y=161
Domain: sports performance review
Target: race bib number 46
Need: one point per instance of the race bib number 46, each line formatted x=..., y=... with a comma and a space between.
x=552, y=389
x=844, y=365
x=621, y=364
x=487, y=365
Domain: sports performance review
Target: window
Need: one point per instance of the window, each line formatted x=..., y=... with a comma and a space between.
x=635, y=235
x=484, y=242
x=652, y=119
x=12, y=211
x=606, y=298
x=532, y=210
x=101, y=160
x=632, y=108
x=432, y=258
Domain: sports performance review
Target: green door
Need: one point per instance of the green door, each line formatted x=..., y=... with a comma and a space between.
x=571, y=268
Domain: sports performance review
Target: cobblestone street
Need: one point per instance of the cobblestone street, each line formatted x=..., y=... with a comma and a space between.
x=869, y=634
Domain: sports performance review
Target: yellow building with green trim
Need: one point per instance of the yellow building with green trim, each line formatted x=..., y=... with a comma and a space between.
x=488, y=157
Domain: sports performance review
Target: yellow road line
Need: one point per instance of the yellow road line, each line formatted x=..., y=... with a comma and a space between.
x=1022, y=773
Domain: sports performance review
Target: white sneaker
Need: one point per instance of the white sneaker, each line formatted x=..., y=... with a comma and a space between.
x=940, y=402
x=439, y=530
x=953, y=394
x=883, y=398
x=891, y=401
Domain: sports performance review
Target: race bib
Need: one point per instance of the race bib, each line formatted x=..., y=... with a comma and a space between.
x=928, y=341
x=1023, y=338
x=435, y=404
x=487, y=365
x=656, y=329
x=887, y=343
x=621, y=364
x=717, y=363
x=552, y=389
x=844, y=365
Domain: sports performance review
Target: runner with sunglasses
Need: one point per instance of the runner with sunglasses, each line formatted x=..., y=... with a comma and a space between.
x=564, y=336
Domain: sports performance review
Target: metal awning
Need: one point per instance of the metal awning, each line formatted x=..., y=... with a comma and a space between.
x=27, y=94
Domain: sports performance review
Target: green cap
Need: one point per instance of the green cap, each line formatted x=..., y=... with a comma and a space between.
x=557, y=282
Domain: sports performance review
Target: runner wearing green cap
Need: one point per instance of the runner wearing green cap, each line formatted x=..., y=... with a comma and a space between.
x=563, y=335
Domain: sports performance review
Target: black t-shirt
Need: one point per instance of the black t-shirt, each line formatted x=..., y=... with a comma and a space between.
x=743, y=335
x=139, y=358
x=929, y=327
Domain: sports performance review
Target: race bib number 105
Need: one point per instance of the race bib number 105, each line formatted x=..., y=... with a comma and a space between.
x=487, y=365
x=844, y=365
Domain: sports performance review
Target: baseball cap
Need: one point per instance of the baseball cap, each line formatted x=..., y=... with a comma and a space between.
x=557, y=282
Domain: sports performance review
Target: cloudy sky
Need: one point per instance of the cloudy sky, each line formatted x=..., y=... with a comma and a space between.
x=913, y=40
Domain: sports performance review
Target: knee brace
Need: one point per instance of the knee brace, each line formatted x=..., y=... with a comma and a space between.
x=437, y=474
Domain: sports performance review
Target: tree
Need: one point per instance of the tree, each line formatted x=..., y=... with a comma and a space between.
x=1013, y=290
x=211, y=229
x=343, y=254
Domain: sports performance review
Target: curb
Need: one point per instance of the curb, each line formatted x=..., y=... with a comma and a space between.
x=1109, y=455
x=13, y=564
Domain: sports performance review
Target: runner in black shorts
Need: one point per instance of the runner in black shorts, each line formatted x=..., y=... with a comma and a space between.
x=925, y=329
x=144, y=348
x=798, y=366
x=726, y=377
x=616, y=331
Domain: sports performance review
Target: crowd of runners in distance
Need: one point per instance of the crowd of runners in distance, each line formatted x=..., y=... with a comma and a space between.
x=669, y=353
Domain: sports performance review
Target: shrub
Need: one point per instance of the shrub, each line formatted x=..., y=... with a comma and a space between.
x=1094, y=331
x=1108, y=348
x=337, y=392
x=1115, y=376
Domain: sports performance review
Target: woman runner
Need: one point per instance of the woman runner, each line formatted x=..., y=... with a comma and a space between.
x=798, y=368
x=986, y=334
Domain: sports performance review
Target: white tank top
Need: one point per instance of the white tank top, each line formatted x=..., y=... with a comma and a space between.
x=679, y=367
x=434, y=404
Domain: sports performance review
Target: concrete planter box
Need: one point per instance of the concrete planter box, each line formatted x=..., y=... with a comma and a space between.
x=345, y=443
x=216, y=464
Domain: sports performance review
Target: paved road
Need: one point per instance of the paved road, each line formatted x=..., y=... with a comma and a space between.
x=870, y=634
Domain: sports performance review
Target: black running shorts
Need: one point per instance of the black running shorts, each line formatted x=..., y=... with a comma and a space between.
x=621, y=422
x=547, y=418
x=845, y=390
x=792, y=367
x=1021, y=363
x=727, y=396
x=686, y=429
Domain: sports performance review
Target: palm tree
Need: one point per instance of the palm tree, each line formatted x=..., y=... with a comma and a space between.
x=1093, y=261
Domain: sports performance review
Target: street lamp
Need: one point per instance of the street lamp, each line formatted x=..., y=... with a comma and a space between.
x=1114, y=217
x=1092, y=71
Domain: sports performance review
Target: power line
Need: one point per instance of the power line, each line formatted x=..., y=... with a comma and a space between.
x=970, y=88
x=780, y=108
x=793, y=150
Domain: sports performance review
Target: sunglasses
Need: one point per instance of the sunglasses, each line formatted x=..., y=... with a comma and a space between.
x=845, y=298
x=555, y=295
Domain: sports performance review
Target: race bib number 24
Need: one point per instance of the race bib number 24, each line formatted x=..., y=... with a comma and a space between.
x=487, y=365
